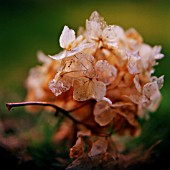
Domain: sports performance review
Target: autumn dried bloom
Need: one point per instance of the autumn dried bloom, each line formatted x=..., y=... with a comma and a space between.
x=107, y=68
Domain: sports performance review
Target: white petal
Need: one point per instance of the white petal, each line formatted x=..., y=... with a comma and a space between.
x=160, y=81
x=93, y=30
x=137, y=84
x=107, y=100
x=157, y=54
x=59, y=56
x=133, y=65
x=79, y=48
x=67, y=36
x=150, y=89
x=111, y=34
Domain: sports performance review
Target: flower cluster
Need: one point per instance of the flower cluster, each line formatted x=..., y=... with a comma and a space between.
x=107, y=67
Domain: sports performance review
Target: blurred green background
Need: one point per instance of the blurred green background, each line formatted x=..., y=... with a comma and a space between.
x=27, y=26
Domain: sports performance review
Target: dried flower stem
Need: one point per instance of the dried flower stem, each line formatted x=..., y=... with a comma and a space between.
x=58, y=109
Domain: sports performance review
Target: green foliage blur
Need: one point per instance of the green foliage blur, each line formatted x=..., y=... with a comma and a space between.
x=27, y=26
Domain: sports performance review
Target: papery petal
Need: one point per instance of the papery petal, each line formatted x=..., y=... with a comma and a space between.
x=83, y=89
x=82, y=46
x=97, y=18
x=146, y=54
x=120, y=104
x=60, y=85
x=157, y=54
x=160, y=81
x=59, y=56
x=99, y=147
x=133, y=64
x=111, y=34
x=103, y=113
x=137, y=83
x=106, y=72
x=86, y=88
x=138, y=99
x=93, y=30
x=99, y=90
x=78, y=149
x=150, y=89
x=67, y=37
x=79, y=65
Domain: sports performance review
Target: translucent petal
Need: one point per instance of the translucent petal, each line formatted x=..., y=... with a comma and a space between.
x=79, y=48
x=157, y=54
x=59, y=56
x=86, y=88
x=105, y=71
x=160, y=81
x=111, y=34
x=137, y=83
x=79, y=65
x=93, y=30
x=150, y=89
x=99, y=147
x=146, y=54
x=60, y=85
x=133, y=65
x=97, y=18
x=152, y=92
x=103, y=113
x=67, y=36
x=138, y=99
x=99, y=90
x=83, y=89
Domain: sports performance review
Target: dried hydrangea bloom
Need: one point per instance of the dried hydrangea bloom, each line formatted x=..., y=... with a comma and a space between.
x=110, y=68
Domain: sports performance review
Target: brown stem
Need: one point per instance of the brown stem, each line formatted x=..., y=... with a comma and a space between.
x=66, y=113
x=17, y=104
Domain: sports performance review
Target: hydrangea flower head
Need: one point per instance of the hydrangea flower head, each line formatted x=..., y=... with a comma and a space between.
x=106, y=66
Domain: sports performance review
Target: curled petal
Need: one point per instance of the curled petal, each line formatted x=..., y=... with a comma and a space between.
x=137, y=83
x=59, y=56
x=67, y=37
x=78, y=149
x=133, y=64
